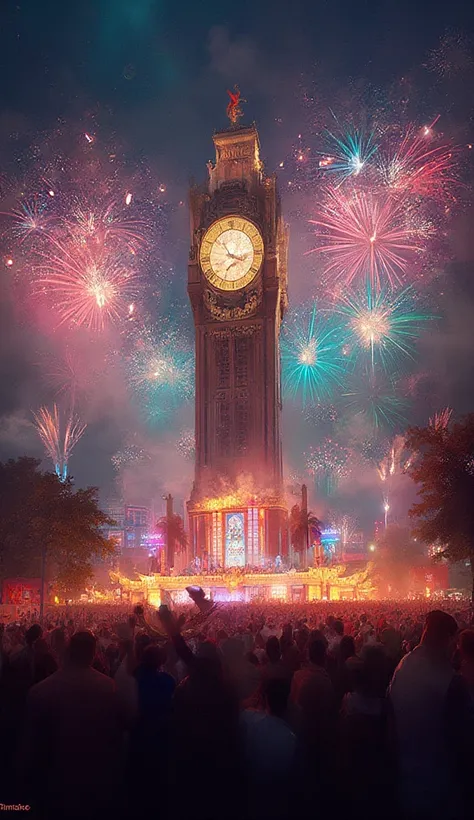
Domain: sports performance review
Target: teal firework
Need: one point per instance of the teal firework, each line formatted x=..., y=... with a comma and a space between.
x=313, y=363
x=347, y=153
x=382, y=326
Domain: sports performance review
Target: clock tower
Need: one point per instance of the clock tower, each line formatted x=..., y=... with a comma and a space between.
x=237, y=285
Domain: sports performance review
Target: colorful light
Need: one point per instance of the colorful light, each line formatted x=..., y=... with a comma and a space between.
x=347, y=155
x=365, y=234
x=418, y=166
x=58, y=446
x=382, y=323
x=440, y=420
x=161, y=370
x=328, y=463
x=88, y=289
x=312, y=361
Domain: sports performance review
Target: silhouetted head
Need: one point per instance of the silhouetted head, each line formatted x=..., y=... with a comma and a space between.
x=33, y=633
x=82, y=648
x=58, y=640
x=317, y=652
x=338, y=627
x=141, y=642
x=276, y=692
x=272, y=649
x=347, y=647
x=301, y=639
x=317, y=635
x=41, y=647
x=440, y=631
x=466, y=645
x=153, y=658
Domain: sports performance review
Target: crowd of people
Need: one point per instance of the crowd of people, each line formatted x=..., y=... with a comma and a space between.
x=246, y=711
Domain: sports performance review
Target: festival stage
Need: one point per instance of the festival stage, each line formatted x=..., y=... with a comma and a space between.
x=334, y=583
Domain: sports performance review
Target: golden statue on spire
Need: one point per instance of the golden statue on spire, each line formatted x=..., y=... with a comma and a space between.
x=234, y=111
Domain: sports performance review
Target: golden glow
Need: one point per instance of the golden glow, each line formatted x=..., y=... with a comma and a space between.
x=307, y=354
x=154, y=597
x=231, y=253
x=316, y=580
x=372, y=327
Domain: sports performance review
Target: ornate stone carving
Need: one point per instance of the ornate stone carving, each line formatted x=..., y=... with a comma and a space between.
x=224, y=313
x=232, y=197
x=239, y=330
x=222, y=349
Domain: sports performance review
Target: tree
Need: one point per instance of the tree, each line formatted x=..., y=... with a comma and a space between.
x=398, y=546
x=444, y=473
x=44, y=521
x=301, y=523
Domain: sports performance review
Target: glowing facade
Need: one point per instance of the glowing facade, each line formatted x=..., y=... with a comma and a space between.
x=237, y=285
x=316, y=584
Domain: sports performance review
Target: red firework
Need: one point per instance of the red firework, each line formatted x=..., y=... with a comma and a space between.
x=365, y=234
x=417, y=165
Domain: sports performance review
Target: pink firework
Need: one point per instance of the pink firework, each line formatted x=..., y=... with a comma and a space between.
x=105, y=226
x=89, y=287
x=365, y=234
x=419, y=166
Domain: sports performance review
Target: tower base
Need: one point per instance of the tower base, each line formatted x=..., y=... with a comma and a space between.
x=252, y=536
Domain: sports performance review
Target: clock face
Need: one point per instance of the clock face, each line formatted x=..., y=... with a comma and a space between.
x=231, y=253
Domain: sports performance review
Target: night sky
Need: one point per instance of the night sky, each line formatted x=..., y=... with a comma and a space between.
x=152, y=77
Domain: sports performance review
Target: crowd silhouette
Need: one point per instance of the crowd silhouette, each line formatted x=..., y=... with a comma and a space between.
x=257, y=711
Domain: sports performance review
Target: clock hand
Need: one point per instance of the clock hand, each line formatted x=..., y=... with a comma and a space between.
x=239, y=258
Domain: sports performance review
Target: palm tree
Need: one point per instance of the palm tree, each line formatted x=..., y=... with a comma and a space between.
x=302, y=523
x=176, y=536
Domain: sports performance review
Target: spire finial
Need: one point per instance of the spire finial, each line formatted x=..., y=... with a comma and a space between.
x=234, y=111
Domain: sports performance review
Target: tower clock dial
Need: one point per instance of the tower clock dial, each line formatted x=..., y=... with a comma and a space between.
x=231, y=253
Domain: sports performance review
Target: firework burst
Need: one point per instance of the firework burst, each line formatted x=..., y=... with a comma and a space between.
x=417, y=165
x=365, y=234
x=440, y=420
x=346, y=524
x=396, y=461
x=328, y=463
x=30, y=219
x=89, y=289
x=347, y=154
x=58, y=446
x=106, y=226
x=312, y=358
x=161, y=369
x=382, y=324
x=186, y=444
x=374, y=401
x=130, y=454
